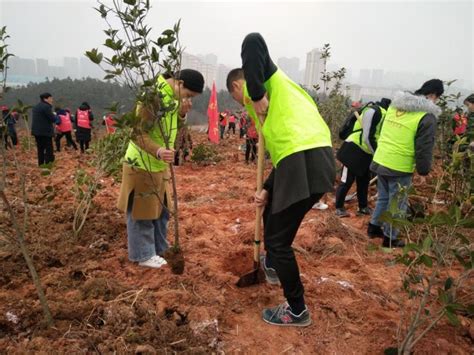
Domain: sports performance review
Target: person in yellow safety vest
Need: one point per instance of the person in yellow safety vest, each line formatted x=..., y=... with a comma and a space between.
x=143, y=193
x=363, y=138
x=406, y=142
x=299, y=143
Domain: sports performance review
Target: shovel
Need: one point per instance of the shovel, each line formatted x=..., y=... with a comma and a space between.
x=256, y=276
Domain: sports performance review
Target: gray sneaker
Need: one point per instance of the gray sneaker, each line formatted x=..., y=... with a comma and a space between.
x=282, y=316
x=364, y=211
x=270, y=273
x=342, y=212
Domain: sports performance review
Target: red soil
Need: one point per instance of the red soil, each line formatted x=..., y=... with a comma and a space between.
x=101, y=302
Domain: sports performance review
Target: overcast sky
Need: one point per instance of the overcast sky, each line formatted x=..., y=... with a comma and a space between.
x=433, y=37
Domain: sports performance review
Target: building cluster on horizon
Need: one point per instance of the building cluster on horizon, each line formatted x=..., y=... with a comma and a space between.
x=25, y=70
x=369, y=84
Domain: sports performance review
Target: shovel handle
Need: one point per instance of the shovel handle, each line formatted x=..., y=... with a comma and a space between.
x=258, y=214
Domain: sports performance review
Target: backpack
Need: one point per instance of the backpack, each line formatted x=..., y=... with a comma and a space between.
x=347, y=127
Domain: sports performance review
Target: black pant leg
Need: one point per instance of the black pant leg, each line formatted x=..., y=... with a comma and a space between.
x=57, y=140
x=254, y=149
x=279, y=232
x=363, y=189
x=247, y=149
x=40, y=149
x=70, y=141
x=49, y=150
x=347, y=179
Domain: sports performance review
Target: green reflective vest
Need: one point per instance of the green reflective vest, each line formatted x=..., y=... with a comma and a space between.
x=148, y=161
x=356, y=136
x=293, y=123
x=396, y=145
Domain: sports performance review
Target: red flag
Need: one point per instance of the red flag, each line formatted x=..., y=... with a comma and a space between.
x=213, y=116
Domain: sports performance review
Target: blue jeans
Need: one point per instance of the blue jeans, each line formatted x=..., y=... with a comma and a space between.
x=388, y=189
x=146, y=238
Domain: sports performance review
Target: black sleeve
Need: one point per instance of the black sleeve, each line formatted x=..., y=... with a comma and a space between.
x=424, y=144
x=48, y=112
x=268, y=184
x=91, y=116
x=373, y=127
x=257, y=64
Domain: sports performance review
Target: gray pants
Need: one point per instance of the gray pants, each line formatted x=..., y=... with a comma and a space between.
x=146, y=238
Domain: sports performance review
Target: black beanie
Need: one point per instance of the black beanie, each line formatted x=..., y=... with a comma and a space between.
x=433, y=86
x=192, y=80
x=384, y=102
x=470, y=99
x=45, y=95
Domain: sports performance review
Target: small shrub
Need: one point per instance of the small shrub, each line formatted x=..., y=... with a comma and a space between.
x=205, y=155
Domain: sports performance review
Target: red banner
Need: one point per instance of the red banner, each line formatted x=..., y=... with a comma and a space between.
x=213, y=116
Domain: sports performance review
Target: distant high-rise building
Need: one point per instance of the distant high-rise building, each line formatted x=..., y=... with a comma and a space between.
x=291, y=67
x=221, y=77
x=89, y=69
x=21, y=66
x=210, y=59
x=208, y=71
x=377, y=78
x=314, y=67
x=42, y=67
x=364, y=77
x=71, y=67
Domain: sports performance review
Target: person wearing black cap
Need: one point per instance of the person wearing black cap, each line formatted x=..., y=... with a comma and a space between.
x=362, y=142
x=42, y=128
x=406, y=142
x=143, y=193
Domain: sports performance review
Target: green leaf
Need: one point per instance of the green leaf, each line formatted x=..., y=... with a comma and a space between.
x=427, y=243
x=372, y=247
x=443, y=296
x=94, y=56
x=155, y=57
x=448, y=283
x=411, y=247
x=130, y=2
x=168, y=33
x=453, y=319
x=391, y=351
x=454, y=212
x=427, y=260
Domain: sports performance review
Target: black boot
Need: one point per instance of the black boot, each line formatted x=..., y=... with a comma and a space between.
x=397, y=243
x=374, y=231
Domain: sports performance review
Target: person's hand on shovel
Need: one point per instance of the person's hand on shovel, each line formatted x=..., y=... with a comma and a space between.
x=261, y=198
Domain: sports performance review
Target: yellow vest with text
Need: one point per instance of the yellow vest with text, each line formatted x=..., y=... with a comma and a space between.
x=357, y=134
x=293, y=123
x=147, y=161
x=396, y=145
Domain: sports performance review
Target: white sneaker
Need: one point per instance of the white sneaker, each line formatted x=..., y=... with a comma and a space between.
x=154, y=262
x=320, y=206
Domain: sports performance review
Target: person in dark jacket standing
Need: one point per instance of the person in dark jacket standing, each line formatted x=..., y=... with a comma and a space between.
x=299, y=143
x=406, y=142
x=42, y=128
x=83, y=120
